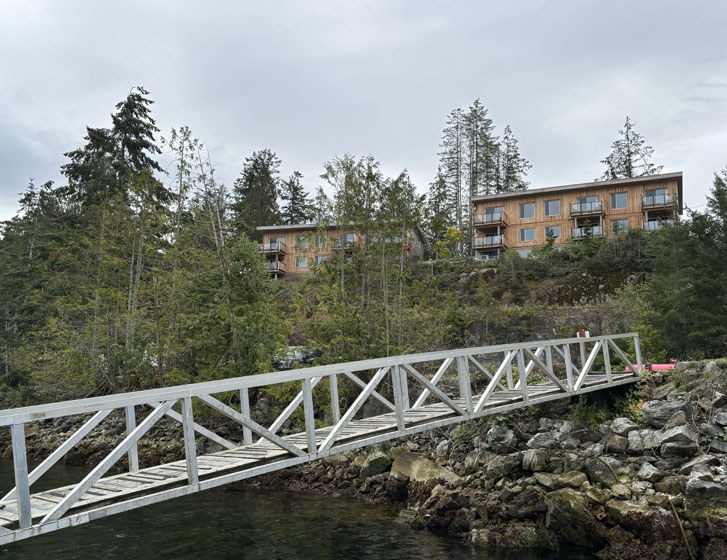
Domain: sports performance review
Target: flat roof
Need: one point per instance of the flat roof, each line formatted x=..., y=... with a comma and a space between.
x=293, y=227
x=592, y=185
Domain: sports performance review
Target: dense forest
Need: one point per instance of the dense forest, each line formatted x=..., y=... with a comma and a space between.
x=129, y=277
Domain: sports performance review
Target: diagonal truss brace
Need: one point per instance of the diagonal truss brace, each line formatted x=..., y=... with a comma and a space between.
x=434, y=389
x=483, y=369
x=588, y=365
x=548, y=371
x=495, y=380
x=95, y=475
x=201, y=430
x=254, y=426
x=435, y=379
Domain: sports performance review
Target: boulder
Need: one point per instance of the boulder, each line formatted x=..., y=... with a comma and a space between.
x=565, y=430
x=535, y=460
x=652, y=525
x=503, y=465
x=649, y=472
x=720, y=419
x=571, y=479
x=622, y=426
x=528, y=504
x=335, y=460
x=710, y=429
x=542, y=440
x=643, y=440
x=658, y=413
x=678, y=419
x=678, y=450
x=613, y=443
x=720, y=400
x=621, y=492
x=442, y=448
x=515, y=537
x=718, y=445
x=501, y=439
x=705, y=494
x=598, y=472
x=701, y=462
x=569, y=516
x=376, y=462
x=674, y=484
x=547, y=480
x=678, y=434
x=598, y=495
x=410, y=466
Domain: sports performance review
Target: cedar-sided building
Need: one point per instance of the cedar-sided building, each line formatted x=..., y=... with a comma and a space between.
x=300, y=248
x=525, y=219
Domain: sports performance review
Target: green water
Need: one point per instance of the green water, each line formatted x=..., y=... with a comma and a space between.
x=246, y=523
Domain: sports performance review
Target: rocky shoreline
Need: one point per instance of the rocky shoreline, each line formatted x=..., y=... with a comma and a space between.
x=649, y=486
x=653, y=489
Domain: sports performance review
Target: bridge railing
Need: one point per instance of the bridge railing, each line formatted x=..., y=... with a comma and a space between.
x=465, y=383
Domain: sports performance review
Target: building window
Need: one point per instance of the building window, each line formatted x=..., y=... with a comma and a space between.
x=320, y=259
x=527, y=210
x=619, y=226
x=349, y=238
x=301, y=262
x=321, y=241
x=619, y=201
x=552, y=207
x=552, y=232
x=302, y=242
x=524, y=253
x=277, y=243
x=494, y=214
x=527, y=234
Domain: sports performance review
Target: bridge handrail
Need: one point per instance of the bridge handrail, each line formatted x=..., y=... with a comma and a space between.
x=119, y=400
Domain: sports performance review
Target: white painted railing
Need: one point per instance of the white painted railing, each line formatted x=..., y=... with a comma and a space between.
x=445, y=377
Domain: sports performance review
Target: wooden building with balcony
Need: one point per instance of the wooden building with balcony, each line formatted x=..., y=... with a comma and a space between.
x=523, y=220
x=301, y=248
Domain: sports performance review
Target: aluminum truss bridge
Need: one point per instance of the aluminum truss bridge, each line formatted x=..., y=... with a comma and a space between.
x=419, y=392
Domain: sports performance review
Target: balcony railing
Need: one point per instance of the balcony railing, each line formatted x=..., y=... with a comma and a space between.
x=658, y=201
x=653, y=225
x=271, y=247
x=581, y=232
x=584, y=208
x=491, y=219
x=489, y=242
x=275, y=266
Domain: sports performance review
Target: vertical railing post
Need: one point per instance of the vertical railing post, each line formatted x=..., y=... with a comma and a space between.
x=245, y=411
x=133, y=453
x=607, y=361
x=465, y=385
x=549, y=357
x=22, y=484
x=523, y=375
x=568, y=367
x=637, y=349
x=396, y=374
x=310, y=421
x=582, y=346
x=190, y=446
x=508, y=371
x=333, y=389
x=404, y=388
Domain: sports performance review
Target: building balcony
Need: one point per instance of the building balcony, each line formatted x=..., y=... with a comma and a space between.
x=492, y=219
x=489, y=242
x=582, y=232
x=586, y=208
x=275, y=267
x=653, y=225
x=271, y=249
x=658, y=201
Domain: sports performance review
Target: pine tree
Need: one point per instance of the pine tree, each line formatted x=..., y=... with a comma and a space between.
x=513, y=168
x=255, y=193
x=451, y=160
x=439, y=209
x=630, y=156
x=297, y=208
x=480, y=151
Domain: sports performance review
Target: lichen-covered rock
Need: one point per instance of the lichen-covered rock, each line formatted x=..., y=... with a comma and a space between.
x=598, y=471
x=410, y=466
x=649, y=472
x=643, y=440
x=542, y=440
x=515, y=536
x=570, y=517
x=614, y=443
x=501, y=439
x=658, y=413
x=622, y=426
x=678, y=434
x=650, y=524
x=571, y=479
x=503, y=465
x=376, y=462
x=535, y=460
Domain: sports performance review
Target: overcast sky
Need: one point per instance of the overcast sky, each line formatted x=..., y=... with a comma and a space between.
x=315, y=79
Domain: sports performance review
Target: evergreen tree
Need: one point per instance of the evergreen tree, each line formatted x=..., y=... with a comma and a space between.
x=255, y=193
x=297, y=208
x=513, y=168
x=480, y=151
x=451, y=160
x=439, y=210
x=630, y=156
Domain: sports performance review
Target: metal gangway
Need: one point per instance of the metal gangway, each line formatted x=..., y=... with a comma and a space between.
x=429, y=391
